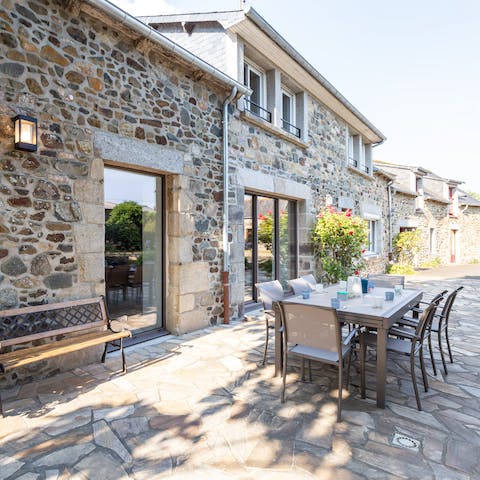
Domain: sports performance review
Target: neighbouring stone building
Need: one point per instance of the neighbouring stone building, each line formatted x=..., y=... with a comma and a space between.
x=447, y=217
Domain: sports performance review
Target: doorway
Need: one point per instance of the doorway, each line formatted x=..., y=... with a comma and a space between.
x=134, y=253
x=453, y=246
x=270, y=232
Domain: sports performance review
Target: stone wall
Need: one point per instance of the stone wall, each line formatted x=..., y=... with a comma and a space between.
x=469, y=238
x=84, y=81
x=101, y=95
x=268, y=163
x=435, y=216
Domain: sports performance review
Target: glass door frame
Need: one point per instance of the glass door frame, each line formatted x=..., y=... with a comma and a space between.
x=276, y=238
x=159, y=330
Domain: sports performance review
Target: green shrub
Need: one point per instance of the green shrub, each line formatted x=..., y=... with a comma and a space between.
x=338, y=240
x=400, y=269
x=474, y=261
x=432, y=263
x=406, y=246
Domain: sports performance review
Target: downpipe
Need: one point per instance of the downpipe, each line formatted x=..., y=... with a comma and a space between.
x=390, y=220
x=225, y=243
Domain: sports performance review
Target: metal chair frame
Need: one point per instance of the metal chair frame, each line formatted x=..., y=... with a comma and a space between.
x=308, y=329
x=269, y=292
x=416, y=339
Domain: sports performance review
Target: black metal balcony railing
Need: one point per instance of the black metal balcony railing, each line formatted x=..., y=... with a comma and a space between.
x=291, y=128
x=354, y=163
x=258, y=110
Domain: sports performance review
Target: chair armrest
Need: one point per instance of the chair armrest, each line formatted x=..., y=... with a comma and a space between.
x=417, y=310
x=411, y=322
x=399, y=332
x=348, y=339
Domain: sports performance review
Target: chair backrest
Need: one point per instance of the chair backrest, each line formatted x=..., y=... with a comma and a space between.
x=299, y=285
x=311, y=326
x=447, y=306
x=426, y=318
x=439, y=297
x=385, y=280
x=270, y=292
x=118, y=276
x=311, y=280
x=138, y=276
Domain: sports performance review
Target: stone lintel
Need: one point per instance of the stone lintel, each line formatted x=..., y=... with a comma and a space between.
x=130, y=151
x=263, y=183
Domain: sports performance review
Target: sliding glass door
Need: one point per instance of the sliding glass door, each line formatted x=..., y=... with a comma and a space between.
x=134, y=248
x=270, y=229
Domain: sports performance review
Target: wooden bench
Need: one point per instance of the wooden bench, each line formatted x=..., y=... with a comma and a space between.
x=85, y=321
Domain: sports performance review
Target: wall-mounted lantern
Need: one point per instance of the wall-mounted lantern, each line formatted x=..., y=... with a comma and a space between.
x=25, y=133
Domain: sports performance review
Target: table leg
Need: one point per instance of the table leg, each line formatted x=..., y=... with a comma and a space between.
x=278, y=345
x=381, y=366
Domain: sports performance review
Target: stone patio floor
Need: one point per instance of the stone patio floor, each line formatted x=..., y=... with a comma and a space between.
x=200, y=407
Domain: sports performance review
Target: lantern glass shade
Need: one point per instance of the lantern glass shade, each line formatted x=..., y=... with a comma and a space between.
x=25, y=133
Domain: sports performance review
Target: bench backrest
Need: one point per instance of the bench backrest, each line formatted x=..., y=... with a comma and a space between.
x=27, y=324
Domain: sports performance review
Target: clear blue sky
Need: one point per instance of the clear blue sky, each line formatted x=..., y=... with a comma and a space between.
x=411, y=67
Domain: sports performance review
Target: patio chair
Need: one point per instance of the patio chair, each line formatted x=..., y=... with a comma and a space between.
x=269, y=292
x=311, y=280
x=385, y=280
x=298, y=285
x=408, y=342
x=314, y=333
x=439, y=325
x=136, y=282
x=116, y=278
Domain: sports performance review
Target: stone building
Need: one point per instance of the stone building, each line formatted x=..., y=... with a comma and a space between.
x=447, y=217
x=296, y=145
x=123, y=114
x=124, y=193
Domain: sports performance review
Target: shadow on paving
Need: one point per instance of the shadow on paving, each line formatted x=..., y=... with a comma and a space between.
x=201, y=407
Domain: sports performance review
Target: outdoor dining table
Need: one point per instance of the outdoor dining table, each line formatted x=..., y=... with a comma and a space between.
x=360, y=311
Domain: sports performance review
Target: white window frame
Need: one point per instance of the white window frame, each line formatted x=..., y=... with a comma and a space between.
x=247, y=67
x=357, y=155
x=373, y=246
x=292, y=117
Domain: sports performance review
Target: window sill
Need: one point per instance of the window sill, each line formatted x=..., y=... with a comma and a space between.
x=359, y=172
x=370, y=256
x=277, y=131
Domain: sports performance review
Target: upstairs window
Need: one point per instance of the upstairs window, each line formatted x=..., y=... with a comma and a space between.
x=419, y=200
x=359, y=154
x=453, y=197
x=289, y=114
x=255, y=80
x=419, y=185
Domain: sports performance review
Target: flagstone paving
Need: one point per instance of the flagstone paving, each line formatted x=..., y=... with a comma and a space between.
x=200, y=407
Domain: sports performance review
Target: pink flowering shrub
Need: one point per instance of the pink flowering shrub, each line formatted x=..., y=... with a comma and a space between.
x=338, y=239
